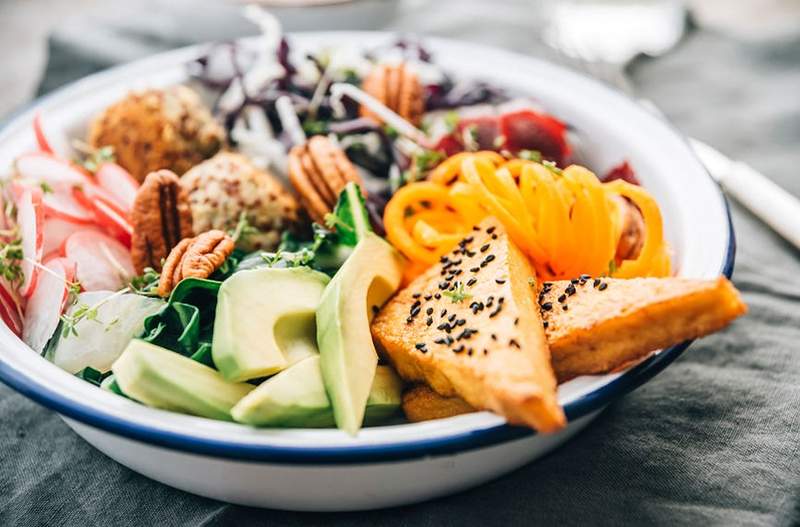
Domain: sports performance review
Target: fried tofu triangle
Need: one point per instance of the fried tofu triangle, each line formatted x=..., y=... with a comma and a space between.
x=470, y=327
x=610, y=324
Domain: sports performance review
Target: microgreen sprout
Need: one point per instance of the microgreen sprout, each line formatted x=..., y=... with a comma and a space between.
x=458, y=294
x=87, y=312
x=243, y=229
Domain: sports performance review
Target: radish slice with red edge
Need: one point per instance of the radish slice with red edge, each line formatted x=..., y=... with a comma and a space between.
x=41, y=138
x=44, y=167
x=103, y=263
x=60, y=202
x=56, y=232
x=10, y=311
x=118, y=183
x=47, y=302
x=107, y=213
x=30, y=219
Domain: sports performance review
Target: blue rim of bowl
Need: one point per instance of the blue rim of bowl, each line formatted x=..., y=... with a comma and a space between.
x=357, y=454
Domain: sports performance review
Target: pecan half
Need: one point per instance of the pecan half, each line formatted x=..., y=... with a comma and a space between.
x=161, y=218
x=318, y=171
x=397, y=87
x=196, y=257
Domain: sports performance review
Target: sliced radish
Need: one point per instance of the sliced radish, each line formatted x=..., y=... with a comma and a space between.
x=118, y=183
x=41, y=138
x=41, y=166
x=107, y=212
x=103, y=263
x=56, y=232
x=30, y=219
x=10, y=311
x=61, y=203
x=45, y=305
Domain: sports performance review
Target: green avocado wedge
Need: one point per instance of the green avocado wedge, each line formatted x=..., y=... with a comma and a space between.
x=367, y=279
x=265, y=321
x=296, y=398
x=161, y=378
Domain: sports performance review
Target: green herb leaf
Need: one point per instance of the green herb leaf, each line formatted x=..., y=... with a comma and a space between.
x=552, y=167
x=458, y=295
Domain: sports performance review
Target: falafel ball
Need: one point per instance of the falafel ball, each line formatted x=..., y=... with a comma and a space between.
x=157, y=129
x=229, y=184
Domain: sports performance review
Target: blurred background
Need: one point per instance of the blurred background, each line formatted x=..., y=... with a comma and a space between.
x=49, y=42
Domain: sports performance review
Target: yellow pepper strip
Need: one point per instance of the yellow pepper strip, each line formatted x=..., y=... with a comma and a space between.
x=654, y=256
x=567, y=221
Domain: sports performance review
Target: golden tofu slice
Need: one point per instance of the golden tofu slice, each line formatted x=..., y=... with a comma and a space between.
x=610, y=324
x=601, y=325
x=470, y=327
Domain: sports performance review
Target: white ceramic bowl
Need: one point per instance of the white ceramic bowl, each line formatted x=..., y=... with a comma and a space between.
x=391, y=465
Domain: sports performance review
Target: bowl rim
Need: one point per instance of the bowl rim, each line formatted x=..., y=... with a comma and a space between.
x=495, y=433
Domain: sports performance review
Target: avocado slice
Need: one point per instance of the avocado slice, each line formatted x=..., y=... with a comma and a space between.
x=164, y=379
x=348, y=357
x=265, y=321
x=296, y=398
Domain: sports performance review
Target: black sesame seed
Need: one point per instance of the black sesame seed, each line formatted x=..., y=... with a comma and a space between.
x=416, y=295
x=596, y=282
x=451, y=317
x=469, y=253
x=441, y=340
x=485, y=352
x=476, y=228
x=443, y=285
x=514, y=343
x=443, y=326
x=429, y=311
x=484, y=248
x=444, y=259
x=429, y=321
x=409, y=320
x=428, y=297
x=574, y=281
x=494, y=236
x=545, y=324
x=489, y=258
x=443, y=313
x=494, y=337
x=516, y=321
x=570, y=290
x=474, y=269
x=461, y=322
x=469, y=352
x=585, y=277
x=415, y=311
x=547, y=306
x=419, y=345
x=468, y=239
x=496, y=311
x=565, y=307
x=437, y=296
x=472, y=281
x=603, y=286
x=458, y=349
x=501, y=300
x=562, y=298
x=375, y=310
x=500, y=281
x=490, y=230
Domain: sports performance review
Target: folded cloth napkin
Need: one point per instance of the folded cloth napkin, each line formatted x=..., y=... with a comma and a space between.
x=713, y=440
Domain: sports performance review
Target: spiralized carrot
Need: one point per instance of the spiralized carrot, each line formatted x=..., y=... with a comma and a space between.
x=567, y=221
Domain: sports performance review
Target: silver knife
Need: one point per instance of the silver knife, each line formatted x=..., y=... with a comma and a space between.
x=773, y=205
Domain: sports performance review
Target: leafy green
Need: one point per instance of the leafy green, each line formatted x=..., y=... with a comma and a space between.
x=11, y=260
x=350, y=217
x=186, y=322
x=91, y=375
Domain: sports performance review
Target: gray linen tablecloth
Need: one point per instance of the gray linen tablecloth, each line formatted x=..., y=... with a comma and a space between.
x=712, y=440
